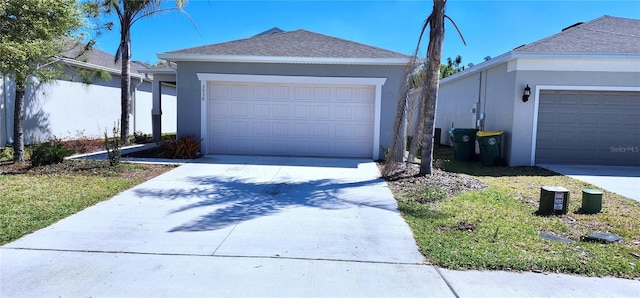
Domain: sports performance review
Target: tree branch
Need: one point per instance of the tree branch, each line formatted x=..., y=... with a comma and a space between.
x=457, y=29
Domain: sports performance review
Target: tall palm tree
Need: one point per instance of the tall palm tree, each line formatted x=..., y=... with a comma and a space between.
x=128, y=13
x=432, y=83
x=426, y=81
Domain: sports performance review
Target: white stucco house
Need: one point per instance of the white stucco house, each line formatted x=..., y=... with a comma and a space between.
x=72, y=105
x=294, y=93
x=584, y=106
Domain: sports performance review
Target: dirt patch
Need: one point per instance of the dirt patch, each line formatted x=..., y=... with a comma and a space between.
x=460, y=226
x=406, y=181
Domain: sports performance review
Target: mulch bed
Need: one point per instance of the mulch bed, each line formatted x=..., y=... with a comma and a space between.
x=406, y=180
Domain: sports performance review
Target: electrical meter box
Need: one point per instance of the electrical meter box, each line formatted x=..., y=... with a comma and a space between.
x=553, y=200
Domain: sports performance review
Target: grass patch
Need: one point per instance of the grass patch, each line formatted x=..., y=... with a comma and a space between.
x=33, y=198
x=497, y=228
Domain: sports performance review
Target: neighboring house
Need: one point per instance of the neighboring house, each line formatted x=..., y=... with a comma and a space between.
x=294, y=93
x=584, y=106
x=80, y=104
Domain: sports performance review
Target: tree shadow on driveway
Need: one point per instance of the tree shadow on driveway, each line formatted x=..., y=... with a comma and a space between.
x=237, y=200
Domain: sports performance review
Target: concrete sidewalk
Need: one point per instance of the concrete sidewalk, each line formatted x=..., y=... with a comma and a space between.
x=623, y=180
x=237, y=226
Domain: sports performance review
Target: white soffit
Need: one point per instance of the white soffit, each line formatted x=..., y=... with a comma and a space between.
x=290, y=79
x=602, y=64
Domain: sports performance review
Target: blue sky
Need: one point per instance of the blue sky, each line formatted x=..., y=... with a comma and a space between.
x=489, y=27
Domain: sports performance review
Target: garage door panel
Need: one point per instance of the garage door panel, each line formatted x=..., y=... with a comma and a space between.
x=261, y=93
x=261, y=129
x=304, y=93
x=305, y=120
x=360, y=131
x=580, y=127
x=239, y=92
x=302, y=111
x=280, y=111
x=322, y=112
x=261, y=110
x=238, y=128
x=322, y=93
x=322, y=130
x=239, y=109
x=279, y=92
x=362, y=113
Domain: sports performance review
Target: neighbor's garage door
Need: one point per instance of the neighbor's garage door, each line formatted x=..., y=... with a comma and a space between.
x=588, y=127
x=295, y=120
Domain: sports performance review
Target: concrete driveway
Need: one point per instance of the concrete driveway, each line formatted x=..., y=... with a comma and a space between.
x=622, y=180
x=231, y=226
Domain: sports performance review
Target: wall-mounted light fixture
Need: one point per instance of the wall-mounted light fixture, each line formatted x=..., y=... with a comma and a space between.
x=527, y=92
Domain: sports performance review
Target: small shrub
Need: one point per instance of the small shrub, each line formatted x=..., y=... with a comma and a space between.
x=183, y=148
x=6, y=153
x=113, y=145
x=141, y=138
x=48, y=153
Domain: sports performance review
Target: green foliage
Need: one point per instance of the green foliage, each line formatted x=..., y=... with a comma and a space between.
x=89, y=76
x=497, y=228
x=428, y=193
x=32, y=32
x=141, y=138
x=183, y=148
x=45, y=195
x=113, y=145
x=128, y=12
x=50, y=152
x=452, y=67
x=6, y=153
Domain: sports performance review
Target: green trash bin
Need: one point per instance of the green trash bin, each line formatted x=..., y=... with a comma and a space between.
x=464, y=143
x=490, y=146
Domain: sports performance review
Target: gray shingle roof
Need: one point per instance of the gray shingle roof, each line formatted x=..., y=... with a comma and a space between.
x=604, y=35
x=97, y=57
x=298, y=43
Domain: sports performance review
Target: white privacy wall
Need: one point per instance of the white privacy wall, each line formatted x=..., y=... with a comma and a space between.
x=67, y=109
x=144, y=104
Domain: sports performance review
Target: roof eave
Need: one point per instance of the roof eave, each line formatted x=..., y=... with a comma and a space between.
x=174, y=57
x=98, y=67
x=157, y=71
x=509, y=56
x=551, y=55
x=480, y=67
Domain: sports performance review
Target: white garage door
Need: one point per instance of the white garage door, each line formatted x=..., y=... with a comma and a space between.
x=290, y=119
x=588, y=127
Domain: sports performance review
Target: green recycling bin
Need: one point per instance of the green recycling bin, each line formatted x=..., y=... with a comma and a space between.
x=464, y=143
x=490, y=146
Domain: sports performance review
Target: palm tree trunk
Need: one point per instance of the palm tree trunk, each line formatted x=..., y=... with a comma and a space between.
x=432, y=79
x=125, y=85
x=18, y=122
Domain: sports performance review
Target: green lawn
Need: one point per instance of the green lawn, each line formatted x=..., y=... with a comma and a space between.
x=497, y=228
x=42, y=196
